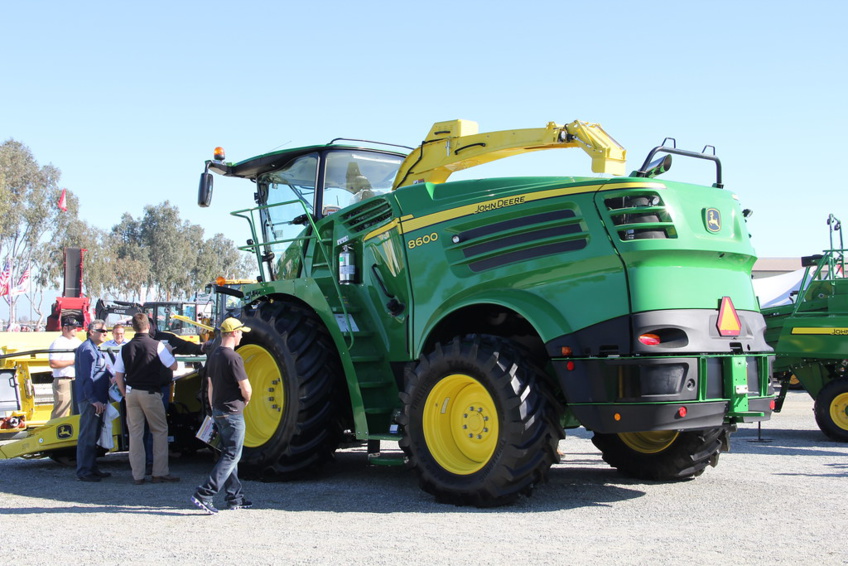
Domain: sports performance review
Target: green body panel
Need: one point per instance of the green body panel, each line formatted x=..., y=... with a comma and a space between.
x=686, y=269
x=556, y=292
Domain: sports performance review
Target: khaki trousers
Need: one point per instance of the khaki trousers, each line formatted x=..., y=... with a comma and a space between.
x=142, y=406
x=62, y=393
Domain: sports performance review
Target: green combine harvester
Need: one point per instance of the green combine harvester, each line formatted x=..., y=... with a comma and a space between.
x=473, y=321
x=810, y=336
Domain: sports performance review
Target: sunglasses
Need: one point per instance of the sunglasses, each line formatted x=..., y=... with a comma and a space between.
x=101, y=330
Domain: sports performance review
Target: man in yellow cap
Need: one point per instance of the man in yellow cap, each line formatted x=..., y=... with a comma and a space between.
x=229, y=394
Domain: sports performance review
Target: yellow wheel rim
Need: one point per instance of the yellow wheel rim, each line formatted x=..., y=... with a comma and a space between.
x=649, y=442
x=839, y=411
x=263, y=414
x=460, y=424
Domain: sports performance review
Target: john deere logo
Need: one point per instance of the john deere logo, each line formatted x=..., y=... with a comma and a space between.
x=64, y=431
x=713, y=220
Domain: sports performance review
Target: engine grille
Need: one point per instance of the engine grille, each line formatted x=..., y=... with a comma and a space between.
x=640, y=216
x=372, y=213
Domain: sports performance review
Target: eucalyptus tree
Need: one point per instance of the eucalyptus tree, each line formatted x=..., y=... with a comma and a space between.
x=31, y=217
x=169, y=258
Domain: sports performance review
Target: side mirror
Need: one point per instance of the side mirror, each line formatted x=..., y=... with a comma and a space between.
x=204, y=190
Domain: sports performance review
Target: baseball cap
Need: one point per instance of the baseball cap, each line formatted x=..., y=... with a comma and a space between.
x=232, y=324
x=70, y=321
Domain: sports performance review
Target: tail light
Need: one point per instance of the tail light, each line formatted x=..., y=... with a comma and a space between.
x=649, y=339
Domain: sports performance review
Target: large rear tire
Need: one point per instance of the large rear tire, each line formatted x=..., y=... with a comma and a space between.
x=661, y=455
x=294, y=421
x=479, y=426
x=831, y=409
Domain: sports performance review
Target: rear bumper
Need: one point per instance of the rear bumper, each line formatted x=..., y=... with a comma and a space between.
x=639, y=418
x=667, y=393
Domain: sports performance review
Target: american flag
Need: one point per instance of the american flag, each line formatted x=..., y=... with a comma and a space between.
x=19, y=289
x=4, y=278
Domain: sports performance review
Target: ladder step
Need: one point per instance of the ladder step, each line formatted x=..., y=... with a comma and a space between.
x=379, y=410
x=366, y=359
x=363, y=334
x=375, y=384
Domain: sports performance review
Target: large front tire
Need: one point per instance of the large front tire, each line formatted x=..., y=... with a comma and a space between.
x=294, y=421
x=831, y=409
x=661, y=455
x=479, y=427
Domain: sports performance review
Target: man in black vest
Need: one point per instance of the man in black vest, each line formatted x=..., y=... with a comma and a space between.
x=139, y=375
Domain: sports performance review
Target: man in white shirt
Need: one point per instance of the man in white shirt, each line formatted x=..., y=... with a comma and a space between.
x=112, y=347
x=62, y=364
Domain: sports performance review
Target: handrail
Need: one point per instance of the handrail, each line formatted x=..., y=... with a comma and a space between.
x=314, y=236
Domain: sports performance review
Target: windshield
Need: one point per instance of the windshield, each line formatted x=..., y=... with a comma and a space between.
x=353, y=176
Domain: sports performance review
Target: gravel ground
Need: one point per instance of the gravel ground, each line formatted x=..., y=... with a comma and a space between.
x=780, y=501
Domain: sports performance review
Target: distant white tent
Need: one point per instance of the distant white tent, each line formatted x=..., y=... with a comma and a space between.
x=775, y=291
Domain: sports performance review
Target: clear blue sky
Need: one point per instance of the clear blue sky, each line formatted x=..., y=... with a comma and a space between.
x=128, y=99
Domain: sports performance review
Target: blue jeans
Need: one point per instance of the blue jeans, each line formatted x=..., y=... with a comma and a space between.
x=89, y=432
x=225, y=473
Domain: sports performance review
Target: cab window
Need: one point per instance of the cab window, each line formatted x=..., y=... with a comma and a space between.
x=351, y=176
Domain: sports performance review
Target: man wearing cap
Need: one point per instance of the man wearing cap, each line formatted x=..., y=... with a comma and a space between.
x=93, y=378
x=62, y=364
x=139, y=378
x=229, y=394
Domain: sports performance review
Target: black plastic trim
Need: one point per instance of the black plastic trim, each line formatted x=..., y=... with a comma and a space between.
x=642, y=418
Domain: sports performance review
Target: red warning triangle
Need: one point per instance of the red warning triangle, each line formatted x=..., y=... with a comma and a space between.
x=728, y=321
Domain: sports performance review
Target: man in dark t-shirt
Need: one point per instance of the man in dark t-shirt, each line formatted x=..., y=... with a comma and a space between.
x=229, y=394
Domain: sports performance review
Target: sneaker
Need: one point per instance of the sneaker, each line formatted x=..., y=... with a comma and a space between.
x=164, y=479
x=91, y=478
x=138, y=482
x=245, y=504
x=205, y=505
x=100, y=474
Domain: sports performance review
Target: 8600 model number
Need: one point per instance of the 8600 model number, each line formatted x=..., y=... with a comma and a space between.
x=418, y=242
